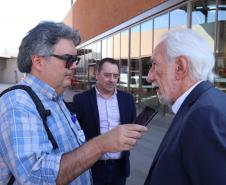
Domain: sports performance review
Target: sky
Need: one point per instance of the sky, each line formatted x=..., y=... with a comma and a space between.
x=17, y=17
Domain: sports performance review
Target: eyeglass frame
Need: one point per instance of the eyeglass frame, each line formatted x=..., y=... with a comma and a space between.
x=69, y=59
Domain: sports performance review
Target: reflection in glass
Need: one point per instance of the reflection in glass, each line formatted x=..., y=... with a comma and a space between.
x=178, y=18
x=123, y=81
x=135, y=42
x=125, y=44
x=104, y=48
x=146, y=38
x=94, y=51
x=91, y=75
x=98, y=50
x=222, y=10
x=79, y=82
x=88, y=55
x=110, y=47
x=116, y=50
x=134, y=62
x=203, y=16
x=148, y=94
x=221, y=47
x=135, y=79
x=161, y=25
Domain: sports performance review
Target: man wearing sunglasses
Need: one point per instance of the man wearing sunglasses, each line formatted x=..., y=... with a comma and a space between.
x=47, y=55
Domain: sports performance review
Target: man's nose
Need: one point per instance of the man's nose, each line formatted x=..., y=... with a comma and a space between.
x=150, y=76
x=73, y=66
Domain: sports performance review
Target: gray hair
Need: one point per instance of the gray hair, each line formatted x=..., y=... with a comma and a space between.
x=186, y=42
x=41, y=40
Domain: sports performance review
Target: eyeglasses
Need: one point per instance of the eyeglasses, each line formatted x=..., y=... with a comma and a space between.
x=70, y=59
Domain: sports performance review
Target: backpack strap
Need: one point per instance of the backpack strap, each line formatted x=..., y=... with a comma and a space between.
x=42, y=112
x=11, y=180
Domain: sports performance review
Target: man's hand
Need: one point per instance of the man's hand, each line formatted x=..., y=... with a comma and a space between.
x=120, y=138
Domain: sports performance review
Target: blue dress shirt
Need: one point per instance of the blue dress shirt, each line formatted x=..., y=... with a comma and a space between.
x=25, y=149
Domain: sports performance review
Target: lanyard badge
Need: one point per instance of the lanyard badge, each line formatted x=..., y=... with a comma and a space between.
x=80, y=132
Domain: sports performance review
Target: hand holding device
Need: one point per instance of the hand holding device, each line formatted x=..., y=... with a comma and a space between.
x=145, y=116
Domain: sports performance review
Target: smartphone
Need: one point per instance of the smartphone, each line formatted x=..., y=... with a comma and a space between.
x=145, y=116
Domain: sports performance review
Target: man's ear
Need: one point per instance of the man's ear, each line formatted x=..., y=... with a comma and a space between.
x=37, y=62
x=182, y=67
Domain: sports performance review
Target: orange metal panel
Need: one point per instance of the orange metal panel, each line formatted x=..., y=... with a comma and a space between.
x=93, y=17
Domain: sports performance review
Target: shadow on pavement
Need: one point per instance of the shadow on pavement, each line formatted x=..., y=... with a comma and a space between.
x=143, y=153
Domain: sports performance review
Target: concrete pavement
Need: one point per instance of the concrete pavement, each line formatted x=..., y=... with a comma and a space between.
x=143, y=153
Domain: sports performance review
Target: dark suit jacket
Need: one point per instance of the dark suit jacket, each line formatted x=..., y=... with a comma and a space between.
x=85, y=107
x=193, y=151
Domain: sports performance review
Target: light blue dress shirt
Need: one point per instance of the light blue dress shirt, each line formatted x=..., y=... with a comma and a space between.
x=25, y=148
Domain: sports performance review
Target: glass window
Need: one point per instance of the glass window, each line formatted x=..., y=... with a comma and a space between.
x=148, y=94
x=146, y=38
x=123, y=82
x=94, y=51
x=88, y=55
x=79, y=81
x=91, y=75
x=98, y=50
x=125, y=44
x=178, y=18
x=135, y=79
x=116, y=50
x=221, y=47
x=110, y=47
x=135, y=42
x=104, y=48
x=161, y=25
x=222, y=10
x=203, y=14
x=134, y=62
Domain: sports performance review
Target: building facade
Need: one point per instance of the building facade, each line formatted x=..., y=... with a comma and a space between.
x=128, y=31
x=9, y=72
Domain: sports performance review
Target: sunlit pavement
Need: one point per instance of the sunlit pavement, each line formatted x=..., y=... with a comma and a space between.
x=143, y=153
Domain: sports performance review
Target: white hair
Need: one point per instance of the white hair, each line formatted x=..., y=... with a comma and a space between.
x=186, y=42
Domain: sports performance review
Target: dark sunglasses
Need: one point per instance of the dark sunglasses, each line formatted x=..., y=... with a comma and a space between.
x=70, y=59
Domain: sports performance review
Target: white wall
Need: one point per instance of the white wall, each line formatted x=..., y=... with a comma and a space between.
x=9, y=72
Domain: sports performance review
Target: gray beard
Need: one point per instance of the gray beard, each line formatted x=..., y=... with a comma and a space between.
x=165, y=100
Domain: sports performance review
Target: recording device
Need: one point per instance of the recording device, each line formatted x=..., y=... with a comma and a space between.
x=145, y=116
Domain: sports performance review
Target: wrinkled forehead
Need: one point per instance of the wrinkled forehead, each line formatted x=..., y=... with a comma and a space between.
x=159, y=52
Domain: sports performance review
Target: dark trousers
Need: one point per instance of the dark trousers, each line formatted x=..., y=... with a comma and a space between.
x=109, y=172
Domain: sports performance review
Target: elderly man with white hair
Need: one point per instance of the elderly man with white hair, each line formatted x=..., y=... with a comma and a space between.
x=193, y=151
